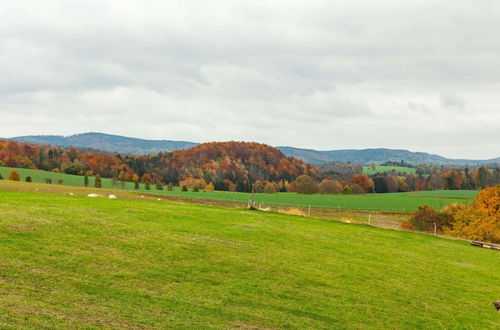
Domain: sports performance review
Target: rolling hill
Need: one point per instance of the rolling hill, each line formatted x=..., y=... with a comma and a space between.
x=108, y=142
x=135, y=146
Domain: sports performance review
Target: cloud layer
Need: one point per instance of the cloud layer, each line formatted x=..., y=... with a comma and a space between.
x=419, y=75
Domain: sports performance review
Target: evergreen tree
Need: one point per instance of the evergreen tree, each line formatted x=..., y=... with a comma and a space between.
x=86, y=179
x=98, y=181
x=136, y=185
x=28, y=179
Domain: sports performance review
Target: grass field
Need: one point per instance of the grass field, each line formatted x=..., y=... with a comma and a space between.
x=384, y=202
x=369, y=170
x=78, y=262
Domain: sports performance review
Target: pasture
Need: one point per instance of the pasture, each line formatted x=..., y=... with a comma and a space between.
x=78, y=262
x=370, y=170
x=401, y=202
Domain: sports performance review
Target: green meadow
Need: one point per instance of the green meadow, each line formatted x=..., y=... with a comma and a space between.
x=79, y=262
x=381, y=202
x=370, y=170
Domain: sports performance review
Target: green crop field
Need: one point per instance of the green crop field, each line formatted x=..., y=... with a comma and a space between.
x=382, y=202
x=79, y=262
x=369, y=170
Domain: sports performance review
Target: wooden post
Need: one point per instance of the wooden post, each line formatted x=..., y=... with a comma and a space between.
x=435, y=229
x=309, y=212
x=369, y=218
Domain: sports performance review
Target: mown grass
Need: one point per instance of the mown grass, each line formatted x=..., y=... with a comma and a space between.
x=382, y=202
x=78, y=262
x=370, y=170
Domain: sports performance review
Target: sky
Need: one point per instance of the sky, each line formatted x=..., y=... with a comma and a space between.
x=417, y=75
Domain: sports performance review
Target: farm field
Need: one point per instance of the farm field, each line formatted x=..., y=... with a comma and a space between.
x=78, y=262
x=383, y=202
x=369, y=170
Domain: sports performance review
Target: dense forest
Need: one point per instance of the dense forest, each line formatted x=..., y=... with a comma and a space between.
x=237, y=166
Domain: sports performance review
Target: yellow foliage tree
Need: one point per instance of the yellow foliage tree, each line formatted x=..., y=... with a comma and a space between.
x=482, y=220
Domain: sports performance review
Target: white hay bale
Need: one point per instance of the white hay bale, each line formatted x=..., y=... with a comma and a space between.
x=112, y=196
x=71, y=194
x=92, y=195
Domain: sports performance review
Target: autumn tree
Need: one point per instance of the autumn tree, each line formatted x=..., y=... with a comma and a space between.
x=306, y=185
x=270, y=188
x=357, y=189
x=14, y=176
x=363, y=181
x=146, y=178
x=482, y=220
x=330, y=187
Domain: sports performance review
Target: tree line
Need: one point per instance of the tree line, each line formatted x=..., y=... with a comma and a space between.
x=240, y=166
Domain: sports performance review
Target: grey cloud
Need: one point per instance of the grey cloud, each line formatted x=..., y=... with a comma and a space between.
x=353, y=72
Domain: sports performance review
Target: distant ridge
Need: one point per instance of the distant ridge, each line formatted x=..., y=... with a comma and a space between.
x=108, y=142
x=377, y=156
x=135, y=146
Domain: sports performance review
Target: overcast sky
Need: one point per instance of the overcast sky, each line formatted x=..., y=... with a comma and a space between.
x=418, y=75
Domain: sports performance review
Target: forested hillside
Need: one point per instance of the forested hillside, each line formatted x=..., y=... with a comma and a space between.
x=222, y=166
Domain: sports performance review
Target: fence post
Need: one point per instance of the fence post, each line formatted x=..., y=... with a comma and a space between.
x=309, y=212
x=435, y=229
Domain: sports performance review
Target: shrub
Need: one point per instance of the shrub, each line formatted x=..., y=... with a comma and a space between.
x=184, y=188
x=195, y=189
x=86, y=179
x=60, y=181
x=425, y=218
x=48, y=180
x=330, y=187
x=1, y=177
x=159, y=186
x=98, y=181
x=170, y=186
x=28, y=179
x=136, y=185
x=147, y=185
x=346, y=191
x=14, y=176
x=306, y=185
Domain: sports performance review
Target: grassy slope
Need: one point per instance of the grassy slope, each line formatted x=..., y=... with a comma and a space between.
x=368, y=170
x=384, y=202
x=68, y=261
